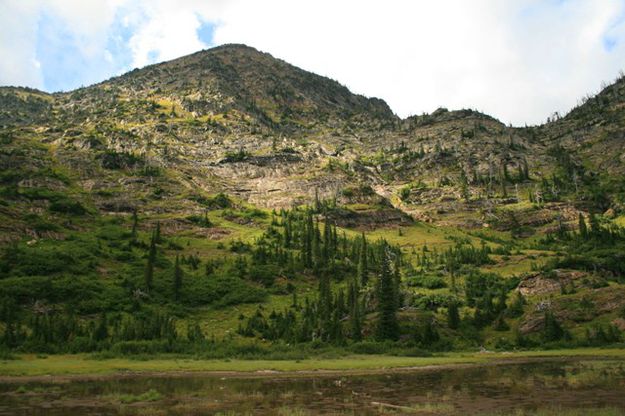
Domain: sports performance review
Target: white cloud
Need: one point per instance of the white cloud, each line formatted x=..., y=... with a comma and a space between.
x=88, y=21
x=518, y=60
x=169, y=31
x=19, y=65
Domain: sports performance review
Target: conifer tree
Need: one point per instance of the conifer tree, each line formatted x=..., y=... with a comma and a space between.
x=387, y=327
x=453, y=316
x=504, y=190
x=307, y=256
x=336, y=329
x=583, y=230
x=429, y=334
x=326, y=252
x=506, y=174
x=339, y=304
x=316, y=247
x=363, y=272
x=501, y=300
x=135, y=223
x=355, y=318
x=287, y=232
x=194, y=332
x=464, y=183
x=552, y=330
x=239, y=267
x=101, y=330
x=157, y=233
x=177, y=279
x=526, y=170
x=397, y=281
x=516, y=307
x=595, y=227
x=325, y=304
x=317, y=202
x=149, y=269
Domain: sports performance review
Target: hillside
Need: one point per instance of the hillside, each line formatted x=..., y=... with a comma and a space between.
x=203, y=193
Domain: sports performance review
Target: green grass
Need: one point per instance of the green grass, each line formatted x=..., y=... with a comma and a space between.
x=224, y=321
x=517, y=264
x=419, y=234
x=557, y=411
x=149, y=396
x=81, y=364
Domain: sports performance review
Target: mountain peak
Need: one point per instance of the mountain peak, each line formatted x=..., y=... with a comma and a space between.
x=239, y=78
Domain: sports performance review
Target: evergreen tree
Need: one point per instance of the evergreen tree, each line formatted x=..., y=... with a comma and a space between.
x=157, y=233
x=501, y=300
x=453, y=316
x=317, y=201
x=135, y=223
x=429, y=334
x=520, y=173
x=336, y=329
x=177, y=279
x=287, y=231
x=325, y=305
x=327, y=252
x=307, y=243
x=464, y=183
x=339, y=304
x=397, y=281
x=101, y=331
x=149, y=269
x=355, y=316
x=526, y=170
x=583, y=230
x=239, y=267
x=387, y=327
x=363, y=272
x=552, y=330
x=316, y=247
x=516, y=307
x=595, y=226
x=500, y=323
x=194, y=332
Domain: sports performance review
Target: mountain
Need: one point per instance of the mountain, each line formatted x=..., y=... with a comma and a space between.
x=257, y=90
x=205, y=147
x=235, y=120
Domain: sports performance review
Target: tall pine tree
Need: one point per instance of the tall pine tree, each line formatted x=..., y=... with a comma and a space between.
x=177, y=279
x=149, y=268
x=135, y=223
x=387, y=327
x=363, y=269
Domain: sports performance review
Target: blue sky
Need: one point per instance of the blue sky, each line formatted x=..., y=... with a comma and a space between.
x=65, y=66
x=519, y=60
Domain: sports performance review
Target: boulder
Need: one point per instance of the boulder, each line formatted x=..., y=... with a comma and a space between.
x=543, y=284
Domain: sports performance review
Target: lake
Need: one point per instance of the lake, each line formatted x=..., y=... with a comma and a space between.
x=576, y=387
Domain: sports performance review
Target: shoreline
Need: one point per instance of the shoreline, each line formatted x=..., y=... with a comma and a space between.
x=68, y=368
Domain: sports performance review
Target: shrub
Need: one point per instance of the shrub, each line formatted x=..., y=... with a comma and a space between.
x=264, y=274
x=67, y=206
x=428, y=282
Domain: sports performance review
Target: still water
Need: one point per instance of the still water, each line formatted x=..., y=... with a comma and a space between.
x=495, y=389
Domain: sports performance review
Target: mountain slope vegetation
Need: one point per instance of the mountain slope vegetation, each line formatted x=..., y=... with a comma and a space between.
x=229, y=198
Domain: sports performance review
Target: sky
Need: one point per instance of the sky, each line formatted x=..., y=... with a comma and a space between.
x=518, y=60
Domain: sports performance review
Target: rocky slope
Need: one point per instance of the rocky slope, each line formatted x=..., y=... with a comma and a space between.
x=237, y=120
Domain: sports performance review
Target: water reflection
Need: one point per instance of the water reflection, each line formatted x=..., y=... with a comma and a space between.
x=461, y=391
